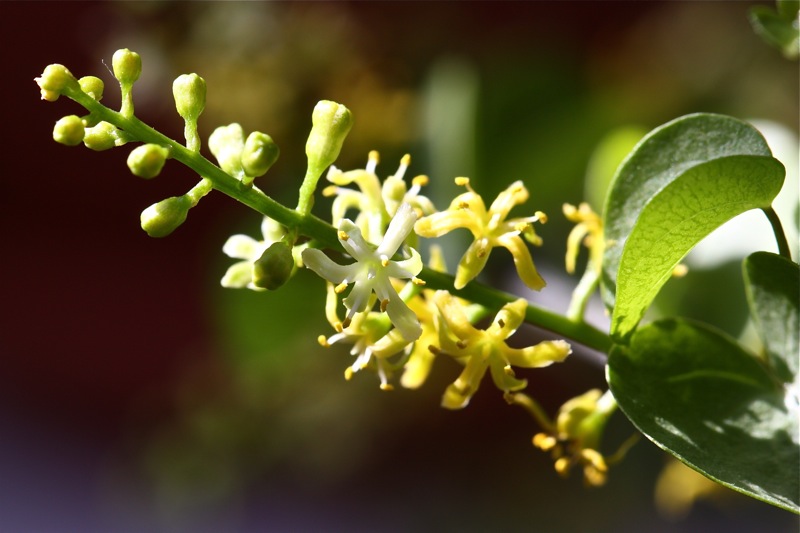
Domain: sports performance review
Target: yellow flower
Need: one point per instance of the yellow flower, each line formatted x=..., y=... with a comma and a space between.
x=481, y=350
x=589, y=231
x=575, y=438
x=489, y=229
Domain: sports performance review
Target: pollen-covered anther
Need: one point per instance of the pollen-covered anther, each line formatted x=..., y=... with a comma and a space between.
x=461, y=344
x=522, y=226
x=384, y=305
x=384, y=261
x=323, y=341
x=330, y=190
x=387, y=386
x=501, y=322
x=541, y=216
x=421, y=180
x=509, y=371
x=348, y=373
x=462, y=182
x=562, y=466
x=338, y=327
x=342, y=235
x=434, y=350
x=544, y=442
x=463, y=205
x=417, y=281
x=346, y=323
x=340, y=288
x=595, y=459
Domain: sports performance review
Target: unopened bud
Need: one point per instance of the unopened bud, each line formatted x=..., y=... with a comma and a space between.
x=93, y=86
x=69, y=130
x=331, y=122
x=162, y=218
x=127, y=66
x=102, y=136
x=54, y=80
x=274, y=267
x=227, y=143
x=260, y=152
x=146, y=161
x=189, y=91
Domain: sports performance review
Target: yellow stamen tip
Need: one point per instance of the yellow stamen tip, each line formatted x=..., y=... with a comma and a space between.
x=541, y=216
x=342, y=235
x=544, y=442
x=384, y=261
x=340, y=288
x=421, y=180
x=348, y=373
x=338, y=327
x=417, y=281
x=405, y=160
x=562, y=466
x=386, y=386
x=509, y=371
x=374, y=156
x=323, y=341
x=330, y=190
x=462, y=182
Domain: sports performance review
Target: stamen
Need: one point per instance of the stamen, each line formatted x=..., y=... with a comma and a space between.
x=384, y=261
x=338, y=327
x=461, y=344
x=346, y=323
x=348, y=373
x=342, y=235
x=562, y=466
x=330, y=190
x=421, y=180
x=417, y=281
x=434, y=350
x=384, y=305
x=323, y=341
x=340, y=288
x=509, y=371
x=373, y=161
x=387, y=386
x=544, y=442
x=541, y=216
x=462, y=181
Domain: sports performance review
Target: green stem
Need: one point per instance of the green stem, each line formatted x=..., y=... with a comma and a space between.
x=582, y=293
x=777, y=229
x=325, y=234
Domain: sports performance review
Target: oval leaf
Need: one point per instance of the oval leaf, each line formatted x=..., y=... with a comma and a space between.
x=696, y=203
x=698, y=395
x=661, y=157
x=772, y=284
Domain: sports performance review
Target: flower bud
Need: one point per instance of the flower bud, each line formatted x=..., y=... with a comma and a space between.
x=54, y=80
x=331, y=123
x=127, y=66
x=274, y=267
x=69, y=130
x=260, y=152
x=102, y=136
x=162, y=218
x=189, y=91
x=93, y=86
x=227, y=143
x=146, y=161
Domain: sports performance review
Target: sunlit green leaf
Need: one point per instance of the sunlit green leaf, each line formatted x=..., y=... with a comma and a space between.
x=698, y=395
x=696, y=203
x=661, y=157
x=772, y=284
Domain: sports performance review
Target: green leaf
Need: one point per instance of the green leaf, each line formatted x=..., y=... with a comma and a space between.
x=701, y=199
x=778, y=28
x=698, y=395
x=772, y=284
x=662, y=156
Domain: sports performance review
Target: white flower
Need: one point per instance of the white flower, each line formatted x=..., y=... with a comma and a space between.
x=240, y=275
x=373, y=270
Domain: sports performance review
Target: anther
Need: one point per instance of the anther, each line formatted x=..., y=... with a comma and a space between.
x=342, y=235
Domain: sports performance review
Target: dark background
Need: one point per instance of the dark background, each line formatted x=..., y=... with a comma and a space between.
x=138, y=395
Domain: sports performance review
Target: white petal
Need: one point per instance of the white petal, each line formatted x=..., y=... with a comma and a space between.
x=243, y=247
x=320, y=263
x=399, y=228
x=238, y=275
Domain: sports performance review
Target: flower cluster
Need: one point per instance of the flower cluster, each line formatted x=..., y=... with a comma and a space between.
x=391, y=320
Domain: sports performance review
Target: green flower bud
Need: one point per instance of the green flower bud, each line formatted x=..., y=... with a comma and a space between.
x=227, y=143
x=274, y=267
x=127, y=66
x=54, y=80
x=189, y=91
x=146, y=161
x=93, y=86
x=102, y=136
x=69, y=130
x=260, y=152
x=162, y=218
x=331, y=122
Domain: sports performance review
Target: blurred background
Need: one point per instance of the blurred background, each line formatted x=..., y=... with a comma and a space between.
x=138, y=395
